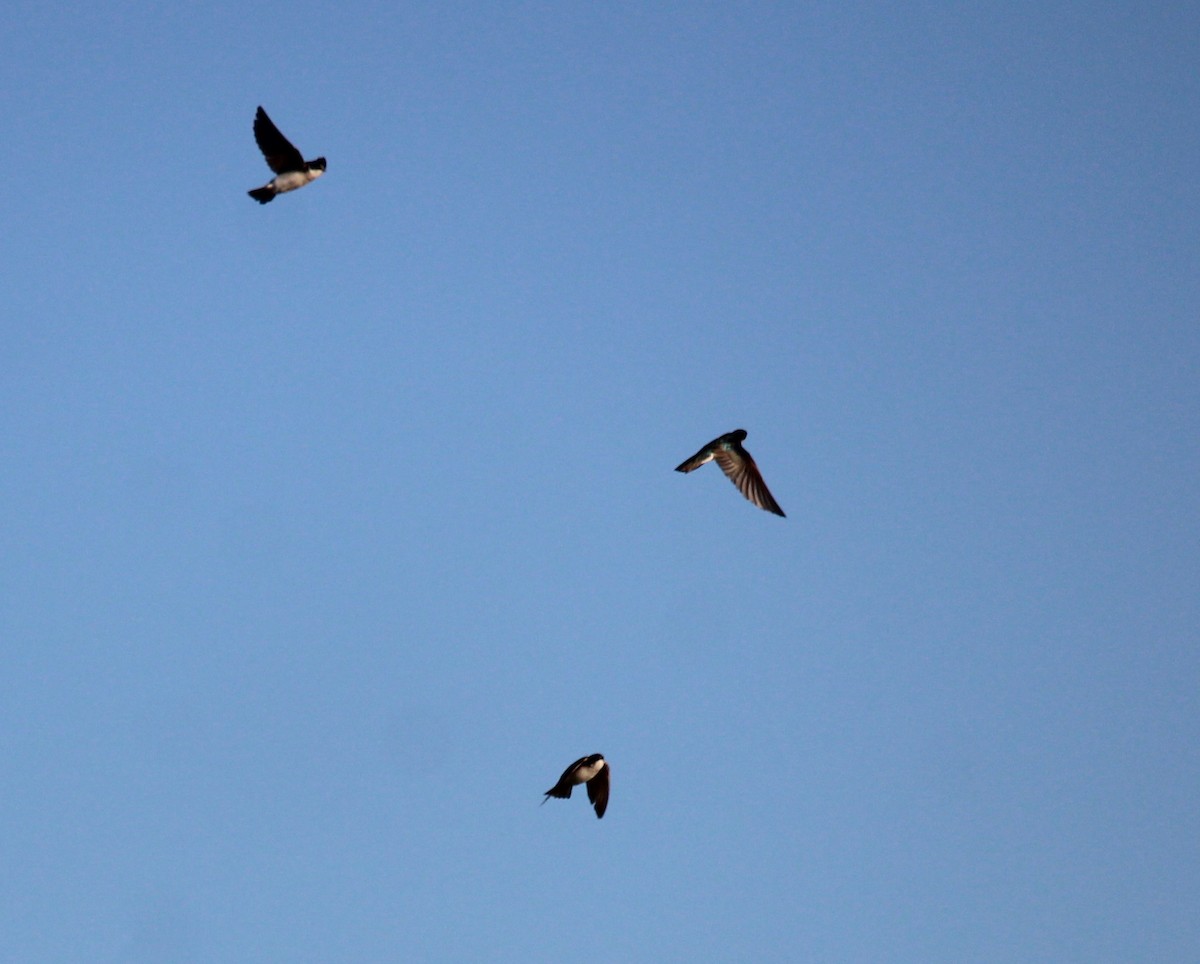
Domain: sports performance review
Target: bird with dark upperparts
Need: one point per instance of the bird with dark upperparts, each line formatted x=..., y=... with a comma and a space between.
x=738, y=467
x=292, y=171
x=592, y=770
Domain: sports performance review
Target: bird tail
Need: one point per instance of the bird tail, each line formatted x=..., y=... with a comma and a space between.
x=697, y=460
x=262, y=194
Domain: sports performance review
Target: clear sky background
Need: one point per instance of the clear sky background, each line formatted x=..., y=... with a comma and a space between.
x=333, y=530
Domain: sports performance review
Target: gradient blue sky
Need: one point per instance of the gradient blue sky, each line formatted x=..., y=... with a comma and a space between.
x=334, y=529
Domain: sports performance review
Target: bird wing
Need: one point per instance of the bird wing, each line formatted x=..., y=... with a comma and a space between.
x=740, y=469
x=566, y=782
x=597, y=791
x=281, y=155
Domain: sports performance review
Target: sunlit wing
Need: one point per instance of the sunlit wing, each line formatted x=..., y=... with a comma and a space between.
x=742, y=472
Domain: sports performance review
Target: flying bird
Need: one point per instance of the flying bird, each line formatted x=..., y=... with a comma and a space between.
x=738, y=466
x=592, y=770
x=292, y=171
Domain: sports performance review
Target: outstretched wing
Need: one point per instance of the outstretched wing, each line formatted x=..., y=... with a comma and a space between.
x=740, y=469
x=281, y=155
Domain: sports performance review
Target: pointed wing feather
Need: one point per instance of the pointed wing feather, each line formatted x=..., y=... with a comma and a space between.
x=597, y=791
x=740, y=469
x=278, y=150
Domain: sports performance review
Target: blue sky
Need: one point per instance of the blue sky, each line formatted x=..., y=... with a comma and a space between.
x=334, y=529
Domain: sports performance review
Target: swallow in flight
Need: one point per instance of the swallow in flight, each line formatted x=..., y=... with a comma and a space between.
x=592, y=770
x=291, y=169
x=738, y=467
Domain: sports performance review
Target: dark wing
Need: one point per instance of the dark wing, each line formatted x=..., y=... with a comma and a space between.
x=278, y=150
x=697, y=460
x=597, y=788
x=740, y=469
x=566, y=782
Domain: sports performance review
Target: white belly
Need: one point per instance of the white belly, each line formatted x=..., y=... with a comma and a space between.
x=292, y=180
